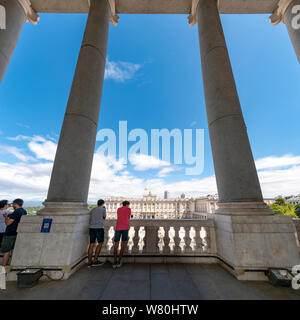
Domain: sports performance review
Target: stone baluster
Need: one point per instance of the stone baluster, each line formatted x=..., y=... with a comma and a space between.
x=161, y=235
x=167, y=249
x=177, y=239
x=136, y=239
x=206, y=239
x=199, y=243
x=187, y=240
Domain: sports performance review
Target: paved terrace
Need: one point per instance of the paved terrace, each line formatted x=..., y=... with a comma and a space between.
x=151, y=281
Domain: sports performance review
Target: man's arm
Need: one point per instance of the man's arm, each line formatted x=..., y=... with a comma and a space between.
x=8, y=221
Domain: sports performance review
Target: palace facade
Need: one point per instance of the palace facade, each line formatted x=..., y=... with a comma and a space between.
x=152, y=207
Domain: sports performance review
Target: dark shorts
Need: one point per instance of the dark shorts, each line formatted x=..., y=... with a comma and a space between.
x=119, y=234
x=1, y=238
x=8, y=243
x=97, y=234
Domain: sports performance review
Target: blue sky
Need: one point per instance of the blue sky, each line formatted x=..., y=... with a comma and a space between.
x=153, y=80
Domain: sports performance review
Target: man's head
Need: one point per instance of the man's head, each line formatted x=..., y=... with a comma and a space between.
x=126, y=203
x=100, y=203
x=18, y=203
x=4, y=204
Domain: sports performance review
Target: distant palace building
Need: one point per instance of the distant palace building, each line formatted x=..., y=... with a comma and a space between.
x=293, y=199
x=151, y=207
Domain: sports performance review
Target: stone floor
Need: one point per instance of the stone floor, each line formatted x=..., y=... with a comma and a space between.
x=151, y=281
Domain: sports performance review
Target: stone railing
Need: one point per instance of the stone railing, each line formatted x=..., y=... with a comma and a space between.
x=165, y=238
x=297, y=225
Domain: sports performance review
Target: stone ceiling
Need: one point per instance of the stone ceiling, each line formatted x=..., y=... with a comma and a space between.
x=155, y=6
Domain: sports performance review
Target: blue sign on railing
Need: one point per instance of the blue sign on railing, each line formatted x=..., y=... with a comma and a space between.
x=46, y=225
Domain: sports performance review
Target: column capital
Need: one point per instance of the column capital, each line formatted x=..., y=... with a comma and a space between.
x=114, y=18
x=30, y=13
x=192, y=18
x=278, y=13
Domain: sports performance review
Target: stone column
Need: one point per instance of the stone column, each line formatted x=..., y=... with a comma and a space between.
x=288, y=12
x=71, y=173
x=235, y=170
x=13, y=14
x=64, y=248
x=249, y=238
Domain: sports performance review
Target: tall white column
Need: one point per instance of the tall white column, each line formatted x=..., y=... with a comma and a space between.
x=250, y=238
x=13, y=14
x=235, y=170
x=288, y=12
x=71, y=173
x=64, y=247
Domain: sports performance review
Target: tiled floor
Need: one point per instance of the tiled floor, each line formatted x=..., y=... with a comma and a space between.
x=151, y=281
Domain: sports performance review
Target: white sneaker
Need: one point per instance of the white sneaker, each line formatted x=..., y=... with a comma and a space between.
x=114, y=266
x=119, y=265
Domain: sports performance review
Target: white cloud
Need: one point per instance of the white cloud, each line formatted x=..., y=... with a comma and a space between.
x=42, y=148
x=29, y=181
x=19, y=138
x=280, y=181
x=120, y=71
x=164, y=172
x=15, y=152
x=277, y=175
x=277, y=162
x=142, y=162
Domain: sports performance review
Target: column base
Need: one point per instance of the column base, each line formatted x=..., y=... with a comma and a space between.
x=254, y=244
x=63, y=208
x=244, y=209
x=60, y=252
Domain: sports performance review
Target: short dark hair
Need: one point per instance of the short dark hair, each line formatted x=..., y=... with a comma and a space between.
x=125, y=203
x=19, y=202
x=3, y=203
x=100, y=202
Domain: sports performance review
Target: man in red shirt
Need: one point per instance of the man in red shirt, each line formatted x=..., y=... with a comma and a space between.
x=122, y=229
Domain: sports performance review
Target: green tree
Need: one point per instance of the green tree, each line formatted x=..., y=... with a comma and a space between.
x=280, y=201
x=297, y=210
x=283, y=208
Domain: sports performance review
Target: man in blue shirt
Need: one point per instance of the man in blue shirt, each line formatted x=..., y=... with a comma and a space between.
x=10, y=235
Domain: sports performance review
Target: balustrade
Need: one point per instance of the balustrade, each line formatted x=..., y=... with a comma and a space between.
x=165, y=237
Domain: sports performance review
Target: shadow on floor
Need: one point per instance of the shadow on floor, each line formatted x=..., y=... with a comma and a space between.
x=150, y=282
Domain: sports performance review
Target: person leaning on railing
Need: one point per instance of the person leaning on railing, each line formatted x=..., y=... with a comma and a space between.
x=4, y=205
x=122, y=230
x=11, y=221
